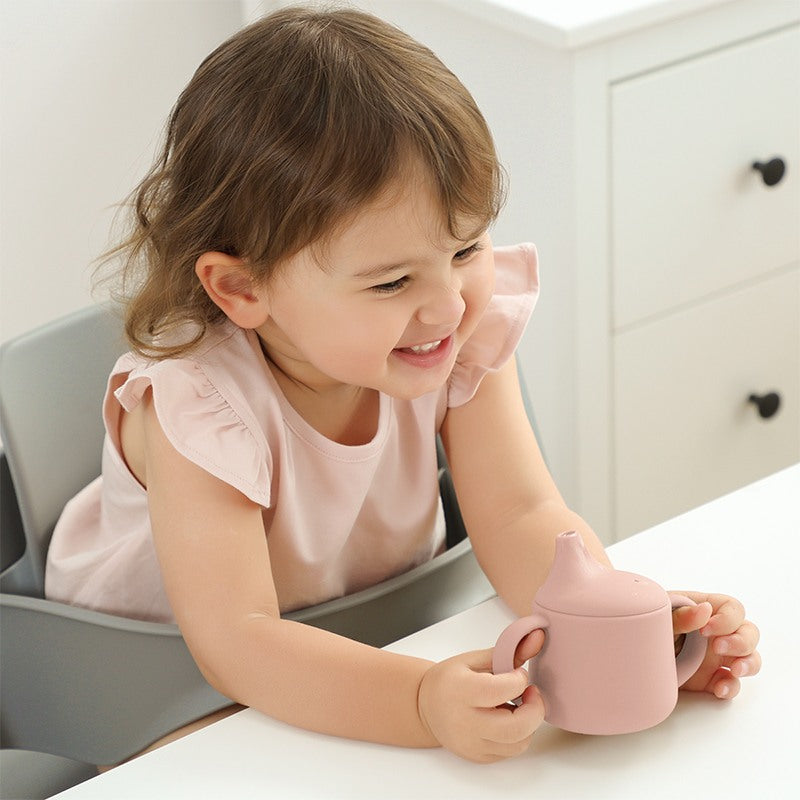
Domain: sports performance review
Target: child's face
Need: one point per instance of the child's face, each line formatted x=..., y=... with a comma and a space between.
x=391, y=305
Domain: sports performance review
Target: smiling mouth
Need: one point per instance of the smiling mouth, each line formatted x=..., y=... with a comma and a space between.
x=419, y=349
x=429, y=354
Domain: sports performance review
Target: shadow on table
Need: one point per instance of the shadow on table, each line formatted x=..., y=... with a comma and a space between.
x=618, y=751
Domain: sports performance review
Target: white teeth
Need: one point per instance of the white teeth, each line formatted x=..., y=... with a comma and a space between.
x=425, y=348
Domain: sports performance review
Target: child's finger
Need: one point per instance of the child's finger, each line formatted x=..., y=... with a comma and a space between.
x=516, y=724
x=483, y=689
x=724, y=685
x=529, y=647
x=691, y=618
x=741, y=667
x=741, y=643
x=729, y=614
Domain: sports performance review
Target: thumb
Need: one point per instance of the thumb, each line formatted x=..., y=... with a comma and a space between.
x=480, y=661
x=487, y=689
x=691, y=618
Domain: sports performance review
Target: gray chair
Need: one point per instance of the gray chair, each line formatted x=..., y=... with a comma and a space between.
x=91, y=688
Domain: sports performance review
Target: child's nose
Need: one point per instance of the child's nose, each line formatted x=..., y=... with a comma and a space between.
x=445, y=306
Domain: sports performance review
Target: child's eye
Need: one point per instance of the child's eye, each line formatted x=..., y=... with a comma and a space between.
x=464, y=254
x=392, y=286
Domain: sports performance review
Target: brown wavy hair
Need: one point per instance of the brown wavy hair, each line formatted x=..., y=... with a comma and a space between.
x=281, y=134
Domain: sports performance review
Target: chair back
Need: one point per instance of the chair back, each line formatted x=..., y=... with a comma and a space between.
x=76, y=683
x=52, y=382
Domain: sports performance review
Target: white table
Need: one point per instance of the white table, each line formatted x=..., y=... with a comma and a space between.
x=744, y=544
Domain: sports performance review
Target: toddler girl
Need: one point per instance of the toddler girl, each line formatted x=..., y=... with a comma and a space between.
x=313, y=296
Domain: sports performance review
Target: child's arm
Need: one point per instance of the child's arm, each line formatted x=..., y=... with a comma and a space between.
x=511, y=506
x=513, y=512
x=214, y=559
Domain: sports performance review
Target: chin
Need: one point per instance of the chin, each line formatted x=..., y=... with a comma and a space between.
x=413, y=392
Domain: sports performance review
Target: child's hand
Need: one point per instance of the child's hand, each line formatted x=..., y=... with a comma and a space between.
x=465, y=706
x=732, y=643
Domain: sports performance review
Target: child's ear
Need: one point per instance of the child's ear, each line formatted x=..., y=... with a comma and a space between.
x=228, y=283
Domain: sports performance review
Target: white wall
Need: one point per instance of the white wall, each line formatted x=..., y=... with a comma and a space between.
x=86, y=88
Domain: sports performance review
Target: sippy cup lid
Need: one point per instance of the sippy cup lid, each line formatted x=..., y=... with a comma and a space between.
x=580, y=585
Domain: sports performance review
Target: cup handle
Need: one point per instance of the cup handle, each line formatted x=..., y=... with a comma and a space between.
x=693, y=652
x=507, y=643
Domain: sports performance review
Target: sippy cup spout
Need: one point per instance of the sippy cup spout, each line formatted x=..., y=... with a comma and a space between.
x=573, y=563
x=574, y=575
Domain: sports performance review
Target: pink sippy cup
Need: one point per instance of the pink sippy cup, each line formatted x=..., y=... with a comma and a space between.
x=608, y=663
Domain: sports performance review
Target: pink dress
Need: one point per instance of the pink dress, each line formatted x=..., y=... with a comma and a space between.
x=338, y=518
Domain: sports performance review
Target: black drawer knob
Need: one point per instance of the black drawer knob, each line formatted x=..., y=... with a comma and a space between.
x=772, y=171
x=767, y=404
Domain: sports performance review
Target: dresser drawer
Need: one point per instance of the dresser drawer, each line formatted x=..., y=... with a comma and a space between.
x=684, y=431
x=689, y=214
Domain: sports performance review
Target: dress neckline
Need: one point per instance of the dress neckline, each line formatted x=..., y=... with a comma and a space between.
x=304, y=430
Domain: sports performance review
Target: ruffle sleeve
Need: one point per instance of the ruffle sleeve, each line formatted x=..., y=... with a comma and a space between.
x=206, y=424
x=503, y=323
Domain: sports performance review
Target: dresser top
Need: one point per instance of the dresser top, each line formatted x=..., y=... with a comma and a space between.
x=574, y=23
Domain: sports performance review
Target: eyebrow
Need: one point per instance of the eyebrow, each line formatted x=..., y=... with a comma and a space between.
x=380, y=270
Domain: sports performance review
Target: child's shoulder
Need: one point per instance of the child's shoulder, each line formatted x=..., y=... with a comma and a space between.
x=223, y=357
x=212, y=403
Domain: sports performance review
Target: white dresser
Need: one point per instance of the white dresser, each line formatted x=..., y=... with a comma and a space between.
x=670, y=269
